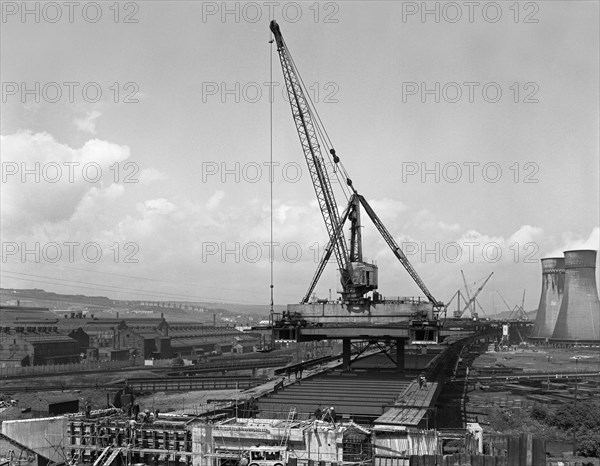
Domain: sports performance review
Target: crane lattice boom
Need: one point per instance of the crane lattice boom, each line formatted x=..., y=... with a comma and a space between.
x=314, y=159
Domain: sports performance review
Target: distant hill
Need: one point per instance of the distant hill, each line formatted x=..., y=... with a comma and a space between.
x=42, y=298
x=102, y=306
x=506, y=315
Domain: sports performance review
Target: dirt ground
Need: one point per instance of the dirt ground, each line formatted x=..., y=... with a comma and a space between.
x=537, y=359
x=530, y=359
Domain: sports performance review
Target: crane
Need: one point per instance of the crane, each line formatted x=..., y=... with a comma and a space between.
x=472, y=299
x=459, y=296
x=357, y=276
x=517, y=312
x=466, y=288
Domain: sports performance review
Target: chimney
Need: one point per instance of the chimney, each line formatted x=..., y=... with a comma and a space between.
x=553, y=285
x=579, y=315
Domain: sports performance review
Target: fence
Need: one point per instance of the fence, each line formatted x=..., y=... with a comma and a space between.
x=459, y=459
x=68, y=368
x=579, y=462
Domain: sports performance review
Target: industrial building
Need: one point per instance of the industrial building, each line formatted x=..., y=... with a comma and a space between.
x=37, y=336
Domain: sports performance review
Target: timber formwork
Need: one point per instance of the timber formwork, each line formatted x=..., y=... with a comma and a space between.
x=156, y=444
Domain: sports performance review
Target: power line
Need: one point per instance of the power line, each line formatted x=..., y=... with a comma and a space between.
x=114, y=288
x=62, y=266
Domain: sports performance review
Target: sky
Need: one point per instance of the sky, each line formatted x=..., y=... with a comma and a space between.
x=138, y=137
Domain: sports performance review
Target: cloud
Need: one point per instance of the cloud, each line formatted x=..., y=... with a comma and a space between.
x=48, y=179
x=526, y=234
x=88, y=122
x=427, y=221
x=215, y=199
x=388, y=208
x=158, y=206
x=149, y=175
x=571, y=241
x=171, y=233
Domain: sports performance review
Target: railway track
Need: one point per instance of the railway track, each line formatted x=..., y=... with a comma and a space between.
x=149, y=384
x=165, y=384
x=231, y=365
x=503, y=378
x=58, y=387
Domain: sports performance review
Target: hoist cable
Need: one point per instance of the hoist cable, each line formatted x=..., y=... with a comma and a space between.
x=271, y=259
x=320, y=130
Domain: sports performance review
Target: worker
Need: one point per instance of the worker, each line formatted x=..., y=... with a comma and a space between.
x=318, y=413
x=329, y=415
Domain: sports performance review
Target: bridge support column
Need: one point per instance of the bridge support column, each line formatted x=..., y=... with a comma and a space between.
x=399, y=355
x=346, y=353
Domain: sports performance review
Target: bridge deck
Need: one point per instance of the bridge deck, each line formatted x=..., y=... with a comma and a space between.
x=361, y=396
x=411, y=407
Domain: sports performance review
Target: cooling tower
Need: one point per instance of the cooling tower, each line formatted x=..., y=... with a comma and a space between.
x=553, y=284
x=579, y=315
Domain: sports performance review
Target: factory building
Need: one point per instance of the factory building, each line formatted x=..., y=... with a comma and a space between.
x=35, y=336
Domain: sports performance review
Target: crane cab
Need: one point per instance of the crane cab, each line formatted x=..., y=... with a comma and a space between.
x=365, y=276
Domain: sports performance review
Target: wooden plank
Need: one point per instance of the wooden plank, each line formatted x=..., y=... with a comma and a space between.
x=539, y=452
x=514, y=451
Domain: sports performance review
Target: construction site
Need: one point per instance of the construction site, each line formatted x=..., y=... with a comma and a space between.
x=359, y=380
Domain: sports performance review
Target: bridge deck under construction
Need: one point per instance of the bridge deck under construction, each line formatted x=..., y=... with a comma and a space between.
x=360, y=396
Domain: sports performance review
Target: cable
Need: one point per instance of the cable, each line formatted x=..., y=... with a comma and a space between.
x=321, y=132
x=96, y=286
x=271, y=161
x=179, y=282
x=319, y=124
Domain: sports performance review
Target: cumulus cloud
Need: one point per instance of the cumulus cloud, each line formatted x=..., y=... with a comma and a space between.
x=45, y=180
x=158, y=206
x=526, y=234
x=427, y=221
x=87, y=123
x=172, y=232
x=215, y=199
x=570, y=241
x=149, y=175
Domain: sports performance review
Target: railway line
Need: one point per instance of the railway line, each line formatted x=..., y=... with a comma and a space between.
x=148, y=384
x=503, y=378
x=231, y=365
